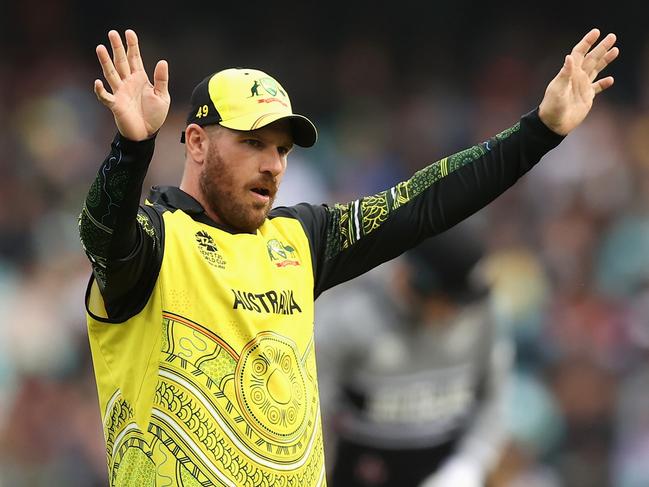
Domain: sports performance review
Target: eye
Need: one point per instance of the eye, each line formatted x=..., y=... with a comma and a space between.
x=252, y=142
x=284, y=150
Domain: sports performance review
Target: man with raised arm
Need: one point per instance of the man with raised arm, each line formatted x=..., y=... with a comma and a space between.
x=200, y=306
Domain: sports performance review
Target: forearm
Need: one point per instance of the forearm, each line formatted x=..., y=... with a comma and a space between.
x=367, y=232
x=108, y=222
x=481, y=444
x=473, y=178
x=483, y=441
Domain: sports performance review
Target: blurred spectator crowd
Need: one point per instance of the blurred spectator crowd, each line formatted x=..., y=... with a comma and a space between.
x=567, y=245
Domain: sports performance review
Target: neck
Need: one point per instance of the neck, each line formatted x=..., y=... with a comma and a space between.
x=192, y=188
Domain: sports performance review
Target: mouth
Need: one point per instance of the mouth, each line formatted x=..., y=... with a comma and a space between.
x=261, y=193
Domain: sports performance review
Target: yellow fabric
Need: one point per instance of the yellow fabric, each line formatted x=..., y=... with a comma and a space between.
x=214, y=381
x=96, y=303
x=243, y=96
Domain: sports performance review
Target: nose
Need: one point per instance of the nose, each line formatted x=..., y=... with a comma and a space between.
x=273, y=163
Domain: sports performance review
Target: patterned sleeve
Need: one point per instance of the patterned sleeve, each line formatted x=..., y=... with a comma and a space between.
x=120, y=238
x=350, y=239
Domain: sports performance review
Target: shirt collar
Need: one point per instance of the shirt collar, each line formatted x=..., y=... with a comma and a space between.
x=175, y=199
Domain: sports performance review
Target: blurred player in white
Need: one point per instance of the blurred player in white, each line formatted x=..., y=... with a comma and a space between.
x=413, y=370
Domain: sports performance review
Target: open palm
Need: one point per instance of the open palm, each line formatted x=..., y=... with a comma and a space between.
x=139, y=107
x=569, y=96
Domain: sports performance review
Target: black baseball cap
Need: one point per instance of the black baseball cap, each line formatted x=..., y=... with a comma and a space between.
x=446, y=263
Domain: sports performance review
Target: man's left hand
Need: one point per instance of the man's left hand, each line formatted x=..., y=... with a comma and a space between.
x=569, y=96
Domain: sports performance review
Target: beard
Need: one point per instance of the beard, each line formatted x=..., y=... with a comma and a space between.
x=218, y=185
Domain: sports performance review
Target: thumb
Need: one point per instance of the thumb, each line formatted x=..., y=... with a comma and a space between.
x=103, y=95
x=161, y=78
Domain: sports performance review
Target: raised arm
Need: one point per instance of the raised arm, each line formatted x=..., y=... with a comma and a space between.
x=349, y=239
x=121, y=240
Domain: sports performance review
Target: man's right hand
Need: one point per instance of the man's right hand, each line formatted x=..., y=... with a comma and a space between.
x=139, y=107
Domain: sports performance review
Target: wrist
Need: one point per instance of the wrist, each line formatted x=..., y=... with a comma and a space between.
x=541, y=127
x=134, y=141
x=549, y=122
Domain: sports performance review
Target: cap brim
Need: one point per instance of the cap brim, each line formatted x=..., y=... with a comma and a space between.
x=304, y=132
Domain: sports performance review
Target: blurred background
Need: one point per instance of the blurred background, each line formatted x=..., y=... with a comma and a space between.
x=392, y=87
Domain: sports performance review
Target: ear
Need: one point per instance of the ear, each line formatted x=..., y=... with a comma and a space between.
x=196, y=143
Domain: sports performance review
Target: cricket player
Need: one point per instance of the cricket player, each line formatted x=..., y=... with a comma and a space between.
x=413, y=370
x=200, y=305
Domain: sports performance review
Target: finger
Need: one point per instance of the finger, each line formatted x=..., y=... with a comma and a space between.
x=133, y=53
x=603, y=84
x=119, y=54
x=566, y=70
x=596, y=55
x=161, y=78
x=608, y=58
x=584, y=45
x=103, y=95
x=107, y=67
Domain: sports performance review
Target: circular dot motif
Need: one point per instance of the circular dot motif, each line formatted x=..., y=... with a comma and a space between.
x=271, y=387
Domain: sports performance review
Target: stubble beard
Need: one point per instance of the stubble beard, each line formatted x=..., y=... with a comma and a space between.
x=218, y=187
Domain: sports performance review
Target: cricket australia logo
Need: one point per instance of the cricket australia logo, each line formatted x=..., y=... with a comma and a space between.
x=208, y=250
x=281, y=255
x=270, y=91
